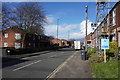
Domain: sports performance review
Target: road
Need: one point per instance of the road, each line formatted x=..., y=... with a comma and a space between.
x=39, y=66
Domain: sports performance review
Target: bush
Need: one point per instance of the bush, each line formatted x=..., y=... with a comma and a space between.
x=91, y=50
x=95, y=57
x=113, y=51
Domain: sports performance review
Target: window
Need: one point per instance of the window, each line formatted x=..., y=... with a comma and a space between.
x=33, y=37
x=17, y=36
x=108, y=21
x=119, y=39
x=34, y=44
x=39, y=37
x=17, y=45
x=6, y=35
x=102, y=29
x=29, y=44
x=29, y=35
x=114, y=17
x=5, y=44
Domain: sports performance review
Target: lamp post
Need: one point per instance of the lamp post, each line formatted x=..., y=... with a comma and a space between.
x=86, y=26
x=68, y=35
x=57, y=30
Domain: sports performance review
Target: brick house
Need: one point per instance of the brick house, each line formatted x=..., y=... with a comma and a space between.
x=89, y=39
x=109, y=28
x=14, y=37
x=11, y=38
x=61, y=42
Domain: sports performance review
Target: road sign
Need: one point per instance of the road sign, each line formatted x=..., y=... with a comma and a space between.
x=87, y=46
x=104, y=43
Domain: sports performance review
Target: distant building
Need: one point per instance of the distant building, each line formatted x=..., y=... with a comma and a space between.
x=89, y=39
x=61, y=42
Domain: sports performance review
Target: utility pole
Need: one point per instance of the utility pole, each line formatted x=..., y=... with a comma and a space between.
x=57, y=30
x=68, y=35
x=86, y=26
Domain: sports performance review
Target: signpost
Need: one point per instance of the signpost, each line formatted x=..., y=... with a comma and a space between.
x=104, y=45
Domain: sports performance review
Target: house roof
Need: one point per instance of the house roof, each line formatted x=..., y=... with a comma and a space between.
x=15, y=29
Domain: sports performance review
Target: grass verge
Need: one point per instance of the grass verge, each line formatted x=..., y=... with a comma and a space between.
x=105, y=70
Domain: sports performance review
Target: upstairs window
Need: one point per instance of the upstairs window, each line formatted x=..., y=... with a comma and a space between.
x=108, y=21
x=6, y=35
x=17, y=36
x=114, y=17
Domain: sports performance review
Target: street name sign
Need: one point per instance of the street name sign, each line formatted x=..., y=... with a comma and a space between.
x=104, y=43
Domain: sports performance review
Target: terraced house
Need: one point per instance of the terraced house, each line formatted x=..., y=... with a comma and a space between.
x=109, y=28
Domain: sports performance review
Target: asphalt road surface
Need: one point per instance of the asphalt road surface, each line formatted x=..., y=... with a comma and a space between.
x=39, y=66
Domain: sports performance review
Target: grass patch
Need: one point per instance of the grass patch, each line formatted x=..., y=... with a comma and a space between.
x=105, y=70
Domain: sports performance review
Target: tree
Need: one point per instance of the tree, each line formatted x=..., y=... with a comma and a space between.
x=5, y=16
x=28, y=16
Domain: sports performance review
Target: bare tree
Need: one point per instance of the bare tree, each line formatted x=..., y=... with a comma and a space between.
x=30, y=17
x=5, y=17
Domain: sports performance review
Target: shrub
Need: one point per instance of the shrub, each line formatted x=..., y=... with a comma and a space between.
x=113, y=50
x=91, y=50
x=94, y=57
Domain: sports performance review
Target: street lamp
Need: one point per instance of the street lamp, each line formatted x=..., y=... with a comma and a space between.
x=86, y=26
x=57, y=30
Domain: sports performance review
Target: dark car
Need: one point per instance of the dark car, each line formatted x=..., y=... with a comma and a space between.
x=10, y=50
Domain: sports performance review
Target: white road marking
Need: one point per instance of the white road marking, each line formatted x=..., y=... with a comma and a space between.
x=53, y=56
x=51, y=75
x=29, y=57
x=26, y=65
x=37, y=55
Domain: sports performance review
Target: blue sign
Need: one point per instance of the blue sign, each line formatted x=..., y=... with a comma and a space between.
x=87, y=46
x=104, y=43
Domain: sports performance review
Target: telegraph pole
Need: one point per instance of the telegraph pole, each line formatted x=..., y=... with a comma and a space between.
x=68, y=35
x=86, y=26
x=57, y=30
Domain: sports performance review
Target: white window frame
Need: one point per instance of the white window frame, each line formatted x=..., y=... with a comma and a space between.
x=17, y=45
x=108, y=20
x=6, y=35
x=114, y=17
x=119, y=39
x=17, y=36
x=5, y=44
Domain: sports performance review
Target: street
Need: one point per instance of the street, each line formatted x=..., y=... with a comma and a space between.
x=39, y=66
x=52, y=39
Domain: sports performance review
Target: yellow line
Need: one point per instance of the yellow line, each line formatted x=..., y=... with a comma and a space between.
x=59, y=67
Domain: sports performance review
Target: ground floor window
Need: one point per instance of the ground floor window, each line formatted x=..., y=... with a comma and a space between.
x=114, y=38
x=5, y=44
x=17, y=45
x=119, y=39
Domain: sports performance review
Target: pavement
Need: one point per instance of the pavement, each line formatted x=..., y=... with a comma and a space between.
x=64, y=63
x=73, y=67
